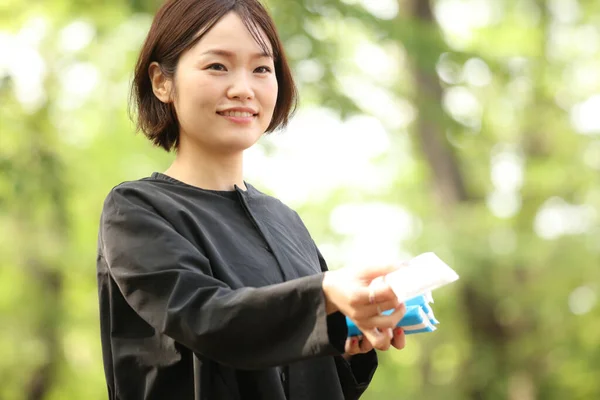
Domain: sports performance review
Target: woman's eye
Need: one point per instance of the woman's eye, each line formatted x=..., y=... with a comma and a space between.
x=217, y=67
x=263, y=70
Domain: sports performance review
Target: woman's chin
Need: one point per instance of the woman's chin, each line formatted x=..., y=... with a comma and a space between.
x=226, y=143
x=237, y=145
x=241, y=140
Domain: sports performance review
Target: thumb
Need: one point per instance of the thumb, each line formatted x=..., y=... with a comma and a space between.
x=374, y=272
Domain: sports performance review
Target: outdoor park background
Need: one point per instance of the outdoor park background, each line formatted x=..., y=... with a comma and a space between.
x=470, y=128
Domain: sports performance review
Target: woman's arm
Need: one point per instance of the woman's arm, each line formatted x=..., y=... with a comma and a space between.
x=354, y=371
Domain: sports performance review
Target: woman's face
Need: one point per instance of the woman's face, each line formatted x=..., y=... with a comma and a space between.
x=225, y=89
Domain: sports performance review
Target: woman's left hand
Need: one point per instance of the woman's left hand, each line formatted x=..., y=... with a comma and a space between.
x=360, y=344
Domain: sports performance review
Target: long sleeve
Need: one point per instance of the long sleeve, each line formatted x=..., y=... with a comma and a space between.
x=355, y=374
x=167, y=281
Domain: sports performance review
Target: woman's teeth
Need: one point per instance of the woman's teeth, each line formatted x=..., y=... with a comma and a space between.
x=237, y=114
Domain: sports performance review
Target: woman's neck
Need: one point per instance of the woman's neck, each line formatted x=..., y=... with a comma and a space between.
x=208, y=170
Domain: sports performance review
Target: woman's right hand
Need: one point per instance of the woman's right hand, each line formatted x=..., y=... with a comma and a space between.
x=351, y=292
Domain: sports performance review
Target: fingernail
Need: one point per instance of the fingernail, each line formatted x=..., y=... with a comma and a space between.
x=398, y=331
x=354, y=341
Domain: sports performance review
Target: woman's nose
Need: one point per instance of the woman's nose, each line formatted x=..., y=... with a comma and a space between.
x=240, y=87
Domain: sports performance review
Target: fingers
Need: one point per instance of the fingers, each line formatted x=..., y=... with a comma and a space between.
x=350, y=290
x=399, y=340
x=374, y=309
x=380, y=291
x=384, y=321
x=365, y=345
x=373, y=294
x=352, y=346
x=371, y=273
x=357, y=345
x=380, y=340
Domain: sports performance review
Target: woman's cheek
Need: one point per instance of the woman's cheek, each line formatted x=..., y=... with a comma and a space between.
x=272, y=90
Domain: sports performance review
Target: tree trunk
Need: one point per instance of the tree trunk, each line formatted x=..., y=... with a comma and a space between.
x=42, y=186
x=450, y=189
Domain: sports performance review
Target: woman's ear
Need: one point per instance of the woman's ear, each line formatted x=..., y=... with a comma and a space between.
x=161, y=85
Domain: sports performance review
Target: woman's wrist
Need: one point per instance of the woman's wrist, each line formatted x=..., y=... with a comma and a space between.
x=330, y=307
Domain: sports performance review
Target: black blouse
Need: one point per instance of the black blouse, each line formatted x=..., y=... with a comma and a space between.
x=216, y=295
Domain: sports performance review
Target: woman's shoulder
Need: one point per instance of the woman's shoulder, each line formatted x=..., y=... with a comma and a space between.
x=142, y=187
x=146, y=192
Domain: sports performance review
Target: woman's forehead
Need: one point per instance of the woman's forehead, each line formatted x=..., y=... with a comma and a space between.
x=231, y=36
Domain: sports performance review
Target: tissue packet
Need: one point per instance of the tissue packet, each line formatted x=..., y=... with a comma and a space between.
x=419, y=317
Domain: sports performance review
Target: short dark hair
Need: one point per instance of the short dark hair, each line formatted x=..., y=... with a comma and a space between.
x=174, y=30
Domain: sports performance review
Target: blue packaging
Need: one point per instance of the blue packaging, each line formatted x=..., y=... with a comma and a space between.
x=419, y=317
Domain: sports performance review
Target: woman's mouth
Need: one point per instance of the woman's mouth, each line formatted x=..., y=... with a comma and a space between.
x=243, y=114
x=238, y=117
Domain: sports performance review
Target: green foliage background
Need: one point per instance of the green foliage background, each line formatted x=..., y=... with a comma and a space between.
x=522, y=323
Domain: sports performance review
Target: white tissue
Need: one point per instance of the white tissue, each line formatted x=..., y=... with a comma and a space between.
x=420, y=276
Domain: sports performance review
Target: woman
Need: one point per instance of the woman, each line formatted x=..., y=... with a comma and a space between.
x=210, y=289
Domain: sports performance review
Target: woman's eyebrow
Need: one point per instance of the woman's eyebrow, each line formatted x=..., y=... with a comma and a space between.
x=231, y=54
